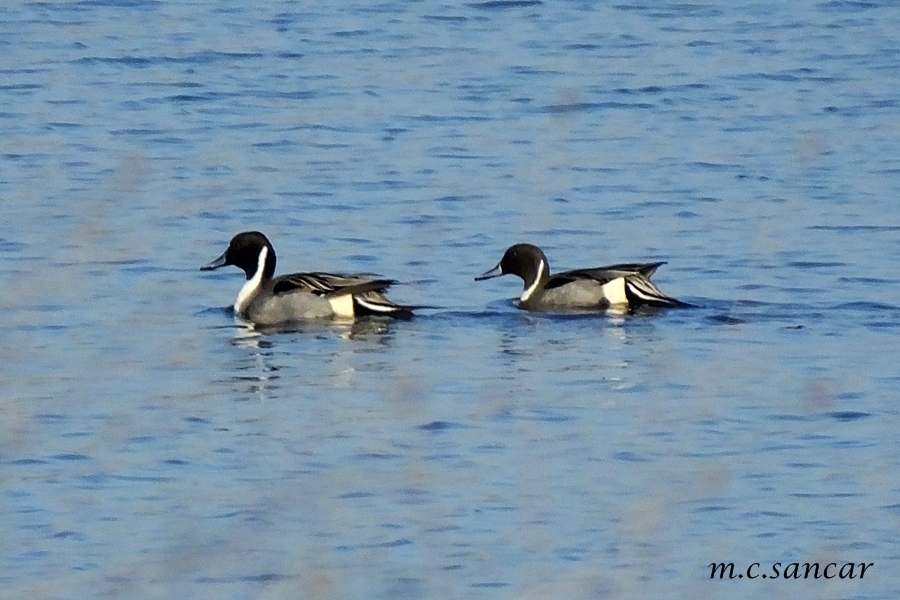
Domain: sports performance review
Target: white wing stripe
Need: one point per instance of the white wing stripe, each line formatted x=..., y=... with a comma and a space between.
x=385, y=308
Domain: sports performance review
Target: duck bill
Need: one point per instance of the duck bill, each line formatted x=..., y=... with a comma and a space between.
x=219, y=262
x=495, y=272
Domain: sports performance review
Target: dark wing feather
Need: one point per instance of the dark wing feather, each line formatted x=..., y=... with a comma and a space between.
x=611, y=272
x=603, y=275
x=325, y=284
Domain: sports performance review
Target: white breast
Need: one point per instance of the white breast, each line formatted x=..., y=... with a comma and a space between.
x=542, y=267
x=249, y=289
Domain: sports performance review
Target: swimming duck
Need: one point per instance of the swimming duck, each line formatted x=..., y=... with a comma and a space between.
x=268, y=300
x=617, y=287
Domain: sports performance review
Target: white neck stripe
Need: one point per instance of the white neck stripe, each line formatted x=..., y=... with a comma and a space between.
x=252, y=286
x=537, y=281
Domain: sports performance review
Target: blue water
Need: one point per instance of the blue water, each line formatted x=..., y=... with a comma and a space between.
x=151, y=447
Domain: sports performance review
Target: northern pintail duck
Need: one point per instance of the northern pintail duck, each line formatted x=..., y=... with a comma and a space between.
x=617, y=287
x=268, y=300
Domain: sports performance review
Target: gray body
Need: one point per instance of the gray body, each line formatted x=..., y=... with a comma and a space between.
x=268, y=308
x=580, y=294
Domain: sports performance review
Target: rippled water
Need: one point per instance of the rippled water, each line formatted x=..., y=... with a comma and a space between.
x=151, y=447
